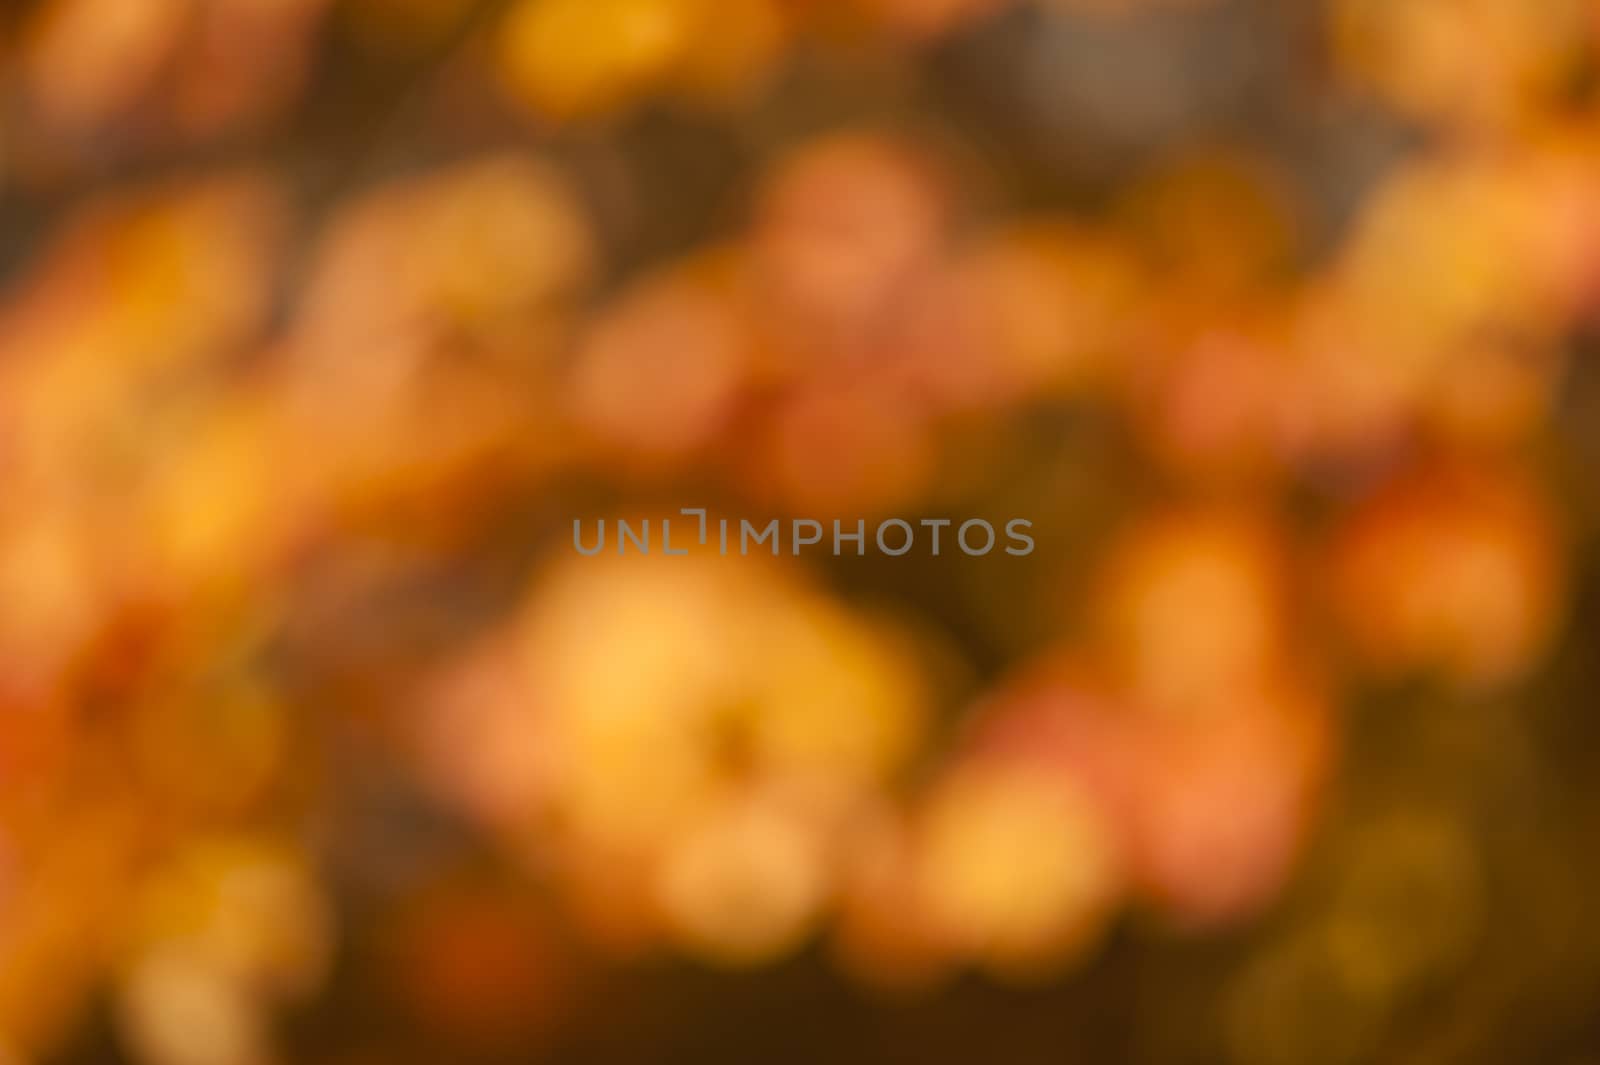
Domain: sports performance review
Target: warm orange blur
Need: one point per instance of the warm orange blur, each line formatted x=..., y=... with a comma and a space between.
x=326, y=323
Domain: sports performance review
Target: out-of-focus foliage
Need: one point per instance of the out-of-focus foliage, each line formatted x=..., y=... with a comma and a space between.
x=325, y=320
